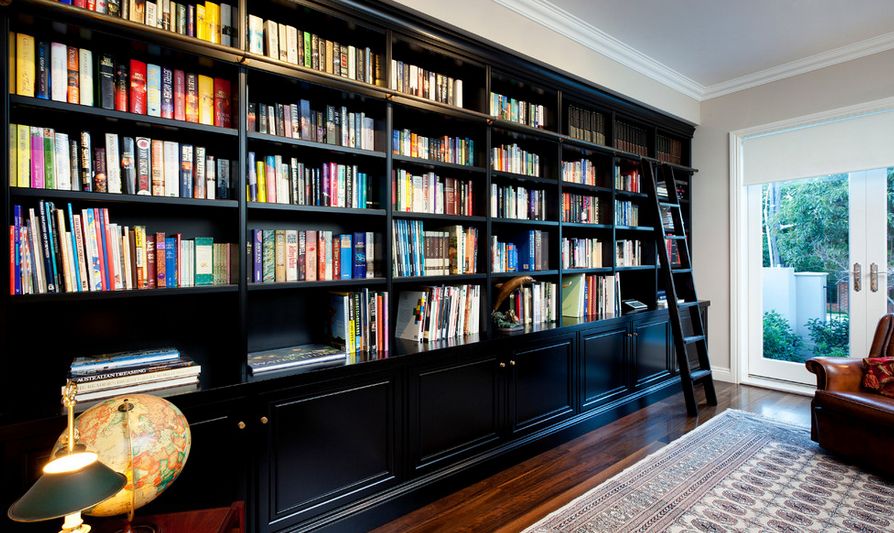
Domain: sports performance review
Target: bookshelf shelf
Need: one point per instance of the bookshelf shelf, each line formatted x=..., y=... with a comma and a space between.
x=580, y=144
x=585, y=187
x=275, y=139
x=362, y=282
x=118, y=116
x=525, y=129
x=522, y=177
x=428, y=163
x=524, y=273
x=314, y=209
x=584, y=225
x=637, y=267
x=634, y=228
x=123, y=199
x=631, y=194
x=424, y=104
x=464, y=219
x=263, y=63
x=454, y=278
x=109, y=295
x=594, y=270
x=522, y=222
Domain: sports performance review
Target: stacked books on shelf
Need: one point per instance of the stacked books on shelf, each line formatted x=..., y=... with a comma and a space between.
x=580, y=208
x=285, y=255
x=581, y=253
x=54, y=71
x=517, y=202
x=306, y=355
x=534, y=303
x=430, y=193
x=591, y=296
x=417, y=81
x=667, y=219
x=335, y=125
x=670, y=150
x=518, y=111
x=456, y=150
x=630, y=138
x=274, y=179
x=673, y=252
x=628, y=252
x=682, y=188
x=88, y=253
x=114, y=374
x=358, y=323
x=627, y=179
x=418, y=252
x=514, y=159
x=586, y=125
x=289, y=44
x=528, y=252
x=582, y=171
x=47, y=159
x=208, y=21
x=626, y=213
x=437, y=313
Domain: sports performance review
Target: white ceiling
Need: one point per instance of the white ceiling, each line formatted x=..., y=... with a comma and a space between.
x=713, y=47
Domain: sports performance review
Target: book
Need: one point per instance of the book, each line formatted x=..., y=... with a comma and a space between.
x=171, y=168
x=192, y=98
x=255, y=35
x=153, y=90
x=410, y=315
x=167, y=93
x=58, y=72
x=113, y=163
x=204, y=261
x=292, y=357
x=122, y=85
x=206, y=100
x=142, y=387
x=143, y=166
x=85, y=76
x=221, y=102
x=128, y=165
x=105, y=362
x=138, y=87
x=136, y=376
x=25, y=67
x=106, y=81
x=157, y=161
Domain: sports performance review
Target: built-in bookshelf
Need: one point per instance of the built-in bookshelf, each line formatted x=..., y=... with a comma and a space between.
x=405, y=143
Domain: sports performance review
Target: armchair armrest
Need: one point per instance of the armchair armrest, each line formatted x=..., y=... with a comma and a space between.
x=840, y=374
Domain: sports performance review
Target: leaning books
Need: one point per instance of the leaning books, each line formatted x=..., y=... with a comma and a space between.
x=294, y=356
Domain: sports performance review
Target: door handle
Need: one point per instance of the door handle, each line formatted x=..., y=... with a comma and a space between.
x=873, y=277
x=858, y=277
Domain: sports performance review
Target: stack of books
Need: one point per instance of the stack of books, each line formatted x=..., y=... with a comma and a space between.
x=306, y=355
x=580, y=208
x=517, y=202
x=410, y=79
x=586, y=125
x=526, y=252
x=626, y=213
x=514, y=159
x=446, y=149
x=627, y=179
x=628, y=253
x=590, y=296
x=517, y=111
x=419, y=252
x=583, y=171
x=581, y=253
x=276, y=179
x=430, y=193
x=335, y=125
x=534, y=303
x=438, y=313
x=112, y=374
x=286, y=255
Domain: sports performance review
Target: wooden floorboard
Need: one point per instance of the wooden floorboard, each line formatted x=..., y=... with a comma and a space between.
x=515, y=498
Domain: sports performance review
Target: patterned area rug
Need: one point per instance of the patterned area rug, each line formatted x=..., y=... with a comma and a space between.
x=737, y=472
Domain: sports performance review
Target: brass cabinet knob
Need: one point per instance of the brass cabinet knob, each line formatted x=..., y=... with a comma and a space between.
x=264, y=420
x=502, y=364
x=512, y=362
x=240, y=424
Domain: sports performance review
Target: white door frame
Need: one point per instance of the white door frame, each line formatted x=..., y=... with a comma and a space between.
x=738, y=223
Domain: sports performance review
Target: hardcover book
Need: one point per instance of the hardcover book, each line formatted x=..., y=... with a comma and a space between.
x=153, y=90
x=137, y=87
x=85, y=75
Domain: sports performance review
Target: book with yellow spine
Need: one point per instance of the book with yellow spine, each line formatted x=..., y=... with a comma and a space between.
x=206, y=100
x=24, y=65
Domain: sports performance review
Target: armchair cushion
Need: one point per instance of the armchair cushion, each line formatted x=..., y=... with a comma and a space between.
x=879, y=375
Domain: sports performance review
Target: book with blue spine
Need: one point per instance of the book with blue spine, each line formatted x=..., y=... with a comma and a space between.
x=359, y=248
x=17, y=223
x=74, y=247
x=346, y=250
x=257, y=237
x=171, y=252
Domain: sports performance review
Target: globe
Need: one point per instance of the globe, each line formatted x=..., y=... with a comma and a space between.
x=144, y=437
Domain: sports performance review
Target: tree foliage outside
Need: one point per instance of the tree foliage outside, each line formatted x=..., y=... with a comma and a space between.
x=830, y=339
x=780, y=342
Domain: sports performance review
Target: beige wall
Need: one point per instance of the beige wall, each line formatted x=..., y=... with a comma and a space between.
x=503, y=26
x=858, y=81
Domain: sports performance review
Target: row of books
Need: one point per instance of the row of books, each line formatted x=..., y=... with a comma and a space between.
x=627, y=179
x=581, y=253
x=437, y=313
x=446, y=149
x=670, y=150
x=417, y=81
x=591, y=296
x=430, y=193
x=534, y=303
x=358, y=323
x=289, y=44
x=628, y=252
x=336, y=125
x=284, y=255
x=527, y=252
x=89, y=253
x=417, y=252
x=630, y=138
x=54, y=71
x=519, y=111
x=108, y=375
x=582, y=171
x=626, y=213
x=673, y=252
x=47, y=159
x=517, y=202
x=207, y=21
x=586, y=125
x=512, y=158
x=275, y=180
x=580, y=208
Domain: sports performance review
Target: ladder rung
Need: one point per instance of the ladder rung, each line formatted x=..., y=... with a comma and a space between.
x=693, y=339
x=681, y=270
x=675, y=237
x=669, y=204
x=698, y=375
x=686, y=305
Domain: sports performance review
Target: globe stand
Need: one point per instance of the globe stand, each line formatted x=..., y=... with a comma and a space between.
x=126, y=407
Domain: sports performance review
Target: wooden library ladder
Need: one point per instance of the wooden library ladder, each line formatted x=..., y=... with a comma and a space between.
x=679, y=284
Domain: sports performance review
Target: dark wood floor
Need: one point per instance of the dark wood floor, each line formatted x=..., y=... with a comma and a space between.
x=519, y=496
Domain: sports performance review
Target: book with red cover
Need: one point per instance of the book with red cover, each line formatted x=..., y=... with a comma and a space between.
x=160, y=260
x=122, y=85
x=222, y=102
x=150, y=261
x=99, y=230
x=179, y=95
x=137, y=87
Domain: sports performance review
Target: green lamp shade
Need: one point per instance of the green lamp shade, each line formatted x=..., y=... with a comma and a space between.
x=55, y=495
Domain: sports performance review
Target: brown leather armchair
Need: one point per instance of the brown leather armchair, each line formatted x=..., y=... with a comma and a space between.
x=848, y=420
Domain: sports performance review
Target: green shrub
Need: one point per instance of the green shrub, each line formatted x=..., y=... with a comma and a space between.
x=830, y=339
x=780, y=342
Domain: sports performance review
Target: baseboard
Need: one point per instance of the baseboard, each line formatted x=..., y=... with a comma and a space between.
x=723, y=374
x=780, y=385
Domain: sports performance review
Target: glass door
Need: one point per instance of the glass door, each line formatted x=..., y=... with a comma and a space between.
x=818, y=264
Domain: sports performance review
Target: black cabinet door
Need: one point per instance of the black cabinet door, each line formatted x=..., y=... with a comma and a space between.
x=603, y=367
x=326, y=448
x=541, y=391
x=651, y=350
x=454, y=411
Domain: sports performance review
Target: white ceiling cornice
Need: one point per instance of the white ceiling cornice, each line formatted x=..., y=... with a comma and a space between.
x=561, y=21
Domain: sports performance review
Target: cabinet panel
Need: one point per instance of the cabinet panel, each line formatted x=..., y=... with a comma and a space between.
x=327, y=449
x=542, y=386
x=454, y=411
x=651, y=351
x=603, y=365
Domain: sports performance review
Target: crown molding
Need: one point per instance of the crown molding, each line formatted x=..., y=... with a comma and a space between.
x=557, y=19
x=564, y=23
